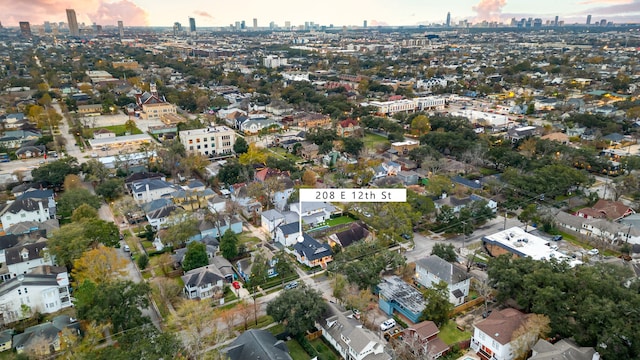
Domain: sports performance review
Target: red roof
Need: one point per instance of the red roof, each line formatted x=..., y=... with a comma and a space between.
x=500, y=325
x=348, y=122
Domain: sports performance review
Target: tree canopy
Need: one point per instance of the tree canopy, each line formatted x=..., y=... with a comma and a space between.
x=297, y=309
x=99, y=265
x=54, y=172
x=196, y=256
x=229, y=244
x=73, y=198
x=446, y=252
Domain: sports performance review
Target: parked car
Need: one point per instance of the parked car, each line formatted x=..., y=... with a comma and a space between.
x=387, y=324
x=554, y=247
x=593, y=252
x=356, y=313
x=126, y=248
x=557, y=238
x=291, y=285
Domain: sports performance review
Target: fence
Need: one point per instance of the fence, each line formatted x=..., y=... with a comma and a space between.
x=469, y=304
x=314, y=335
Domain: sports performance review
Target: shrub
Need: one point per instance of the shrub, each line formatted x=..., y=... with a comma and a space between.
x=143, y=261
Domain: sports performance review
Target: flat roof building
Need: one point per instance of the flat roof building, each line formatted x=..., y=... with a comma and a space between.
x=210, y=141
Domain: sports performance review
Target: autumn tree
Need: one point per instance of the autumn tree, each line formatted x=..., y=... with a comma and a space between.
x=99, y=265
x=535, y=326
x=420, y=125
x=197, y=324
x=84, y=212
x=309, y=178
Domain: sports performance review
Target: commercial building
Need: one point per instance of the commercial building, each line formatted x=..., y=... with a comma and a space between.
x=72, y=21
x=210, y=141
x=25, y=29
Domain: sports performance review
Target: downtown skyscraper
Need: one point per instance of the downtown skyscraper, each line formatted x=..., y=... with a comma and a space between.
x=72, y=21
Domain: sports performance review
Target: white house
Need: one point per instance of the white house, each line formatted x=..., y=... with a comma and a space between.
x=203, y=282
x=493, y=336
x=147, y=190
x=45, y=291
x=21, y=259
x=314, y=213
x=271, y=219
x=350, y=338
x=432, y=270
x=287, y=234
x=29, y=209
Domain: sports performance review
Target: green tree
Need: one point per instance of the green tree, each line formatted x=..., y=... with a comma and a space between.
x=438, y=308
x=115, y=302
x=72, y=199
x=181, y=227
x=84, y=212
x=240, y=146
x=143, y=261
x=229, y=245
x=196, y=256
x=99, y=231
x=446, y=252
x=110, y=189
x=528, y=214
x=297, y=309
x=420, y=124
x=259, y=270
x=352, y=145
x=233, y=172
x=68, y=243
x=363, y=262
x=54, y=172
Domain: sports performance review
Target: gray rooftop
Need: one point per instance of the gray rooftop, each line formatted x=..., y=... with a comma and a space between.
x=393, y=288
x=444, y=270
x=256, y=344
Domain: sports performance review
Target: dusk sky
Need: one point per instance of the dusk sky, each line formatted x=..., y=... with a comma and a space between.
x=324, y=12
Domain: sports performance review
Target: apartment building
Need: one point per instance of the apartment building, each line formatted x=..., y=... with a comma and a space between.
x=210, y=141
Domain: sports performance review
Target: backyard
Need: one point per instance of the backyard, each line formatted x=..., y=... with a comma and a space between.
x=119, y=130
x=371, y=141
x=450, y=333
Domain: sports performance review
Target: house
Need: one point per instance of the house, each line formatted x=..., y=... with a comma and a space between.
x=408, y=177
x=606, y=209
x=150, y=105
x=356, y=232
x=45, y=339
x=397, y=295
x=31, y=151
x=311, y=120
x=216, y=230
x=159, y=217
x=192, y=198
x=563, y=349
x=433, y=269
x=217, y=204
x=257, y=344
x=26, y=227
x=309, y=151
x=203, y=282
x=224, y=267
x=493, y=336
x=44, y=194
x=147, y=190
x=453, y=202
x=103, y=134
x=287, y=234
x=25, y=209
x=178, y=255
x=6, y=337
x=423, y=338
x=520, y=133
x=349, y=338
x=22, y=258
x=557, y=137
x=271, y=219
x=44, y=289
x=139, y=176
x=349, y=127
x=312, y=253
x=314, y=213
x=403, y=147
x=471, y=184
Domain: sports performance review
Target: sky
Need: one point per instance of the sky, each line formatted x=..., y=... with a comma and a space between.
x=210, y=13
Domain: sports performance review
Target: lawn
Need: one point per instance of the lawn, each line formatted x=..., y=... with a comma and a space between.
x=120, y=130
x=283, y=153
x=372, y=140
x=296, y=351
x=325, y=350
x=339, y=220
x=248, y=240
x=451, y=335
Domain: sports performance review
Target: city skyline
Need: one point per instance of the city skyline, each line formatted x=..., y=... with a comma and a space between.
x=353, y=13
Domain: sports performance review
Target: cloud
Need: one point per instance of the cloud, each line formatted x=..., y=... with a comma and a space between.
x=103, y=12
x=622, y=9
x=203, y=14
x=489, y=10
x=588, y=2
x=378, y=23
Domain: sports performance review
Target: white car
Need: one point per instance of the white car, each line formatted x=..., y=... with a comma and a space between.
x=593, y=252
x=126, y=248
x=387, y=324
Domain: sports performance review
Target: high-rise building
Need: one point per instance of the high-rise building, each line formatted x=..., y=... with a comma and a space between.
x=192, y=25
x=555, y=23
x=255, y=24
x=364, y=24
x=121, y=29
x=448, y=19
x=177, y=28
x=47, y=27
x=72, y=21
x=603, y=22
x=287, y=25
x=588, y=19
x=243, y=25
x=272, y=25
x=25, y=29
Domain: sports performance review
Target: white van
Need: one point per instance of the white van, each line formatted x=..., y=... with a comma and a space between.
x=387, y=324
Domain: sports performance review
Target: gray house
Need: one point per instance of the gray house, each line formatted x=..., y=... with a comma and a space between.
x=256, y=344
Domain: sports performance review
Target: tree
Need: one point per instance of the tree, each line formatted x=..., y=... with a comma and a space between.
x=197, y=324
x=143, y=261
x=181, y=228
x=84, y=212
x=54, y=172
x=352, y=145
x=446, y=252
x=99, y=265
x=536, y=326
x=110, y=189
x=68, y=243
x=196, y=256
x=116, y=302
x=99, y=231
x=72, y=181
x=229, y=245
x=254, y=155
x=234, y=172
x=363, y=262
x=309, y=178
x=420, y=125
x=437, y=308
x=130, y=126
x=528, y=214
x=297, y=309
x=72, y=199
x=240, y=146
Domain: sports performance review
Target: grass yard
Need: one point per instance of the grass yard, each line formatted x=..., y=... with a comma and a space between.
x=372, y=140
x=248, y=240
x=451, y=335
x=120, y=130
x=296, y=351
x=324, y=349
x=283, y=153
x=277, y=329
x=339, y=220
